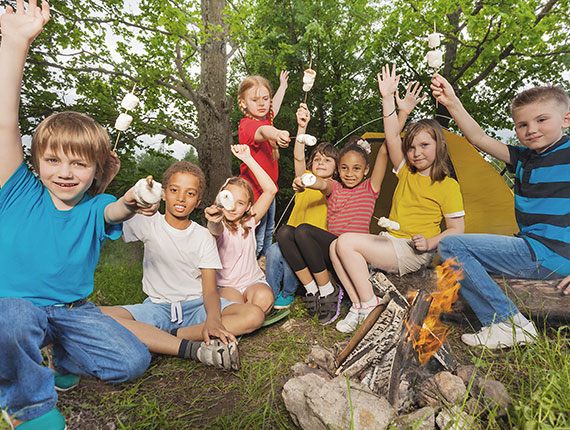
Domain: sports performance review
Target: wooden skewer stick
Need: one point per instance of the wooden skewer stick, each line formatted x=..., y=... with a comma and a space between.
x=126, y=110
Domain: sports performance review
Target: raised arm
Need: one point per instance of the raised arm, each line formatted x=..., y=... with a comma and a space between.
x=406, y=105
x=280, y=93
x=267, y=185
x=379, y=169
x=273, y=135
x=444, y=94
x=303, y=118
x=19, y=28
x=388, y=85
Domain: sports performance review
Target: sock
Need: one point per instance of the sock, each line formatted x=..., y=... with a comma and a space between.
x=372, y=303
x=188, y=349
x=311, y=287
x=326, y=289
x=356, y=305
x=520, y=320
x=173, y=331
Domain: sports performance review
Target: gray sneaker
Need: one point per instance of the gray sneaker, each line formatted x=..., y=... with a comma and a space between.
x=219, y=354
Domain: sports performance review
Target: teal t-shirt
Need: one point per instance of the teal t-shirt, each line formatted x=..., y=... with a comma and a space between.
x=49, y=256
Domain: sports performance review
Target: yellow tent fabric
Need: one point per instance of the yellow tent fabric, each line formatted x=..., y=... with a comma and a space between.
x=488, y=201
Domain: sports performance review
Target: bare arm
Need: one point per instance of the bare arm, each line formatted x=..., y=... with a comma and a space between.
x=320, y=184
x=280, y=93
x=125, y=208
x=453, y=226
x=444, y=94
x=268, y=187
x=409, y=102
x=303, y=118
x=214, y=216
x=19, y=29
x=213, y=325
x=388, y=84
x=379, y=169
x=273, y=135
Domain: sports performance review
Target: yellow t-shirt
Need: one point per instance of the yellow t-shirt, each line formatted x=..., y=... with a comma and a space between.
x=311, y=208
x=419, y=205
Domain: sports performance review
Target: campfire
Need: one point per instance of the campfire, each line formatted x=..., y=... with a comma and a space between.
x=402, y=342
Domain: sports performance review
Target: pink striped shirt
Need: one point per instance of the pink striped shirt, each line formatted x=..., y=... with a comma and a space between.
x=350, y=209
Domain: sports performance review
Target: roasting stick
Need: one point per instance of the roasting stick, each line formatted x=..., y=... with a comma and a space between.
x=126, y=110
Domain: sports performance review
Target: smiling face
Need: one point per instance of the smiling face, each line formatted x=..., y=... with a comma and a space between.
x=66, y=176
x=323, y=166
x=539, y=125
x=352, y=167
x=257, y=101
x=242, y=203
x=422, y=152
x=181, y=195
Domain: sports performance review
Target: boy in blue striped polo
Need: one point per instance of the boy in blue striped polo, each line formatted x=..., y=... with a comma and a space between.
x=541, y=250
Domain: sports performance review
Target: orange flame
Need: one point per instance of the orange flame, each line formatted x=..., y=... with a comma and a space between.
x=429, y=338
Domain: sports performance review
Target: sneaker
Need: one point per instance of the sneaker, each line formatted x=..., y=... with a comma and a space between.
x=219, y=354
x=350, y=322
x=52, y=420
x=329, y=306
x=65, y=382
x=502, y=335
x=283, y=302
x=312, y=303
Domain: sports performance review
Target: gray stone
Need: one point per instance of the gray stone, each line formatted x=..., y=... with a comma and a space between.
x=322, y=357
x=420, y=419
x=428, y=394
x=301, y=369
x=450, y=386
x=497, y=396
x=330, y=403
x=294, y=396
x=455, y=418
x=470, y=377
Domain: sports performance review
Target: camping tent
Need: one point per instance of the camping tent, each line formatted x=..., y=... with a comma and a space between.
x=488, y=201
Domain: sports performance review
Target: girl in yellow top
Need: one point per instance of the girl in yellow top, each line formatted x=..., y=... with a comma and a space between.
x=310, y=207
x=424, y=195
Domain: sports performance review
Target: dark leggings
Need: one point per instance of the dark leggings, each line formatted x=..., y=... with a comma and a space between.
x=306, y=246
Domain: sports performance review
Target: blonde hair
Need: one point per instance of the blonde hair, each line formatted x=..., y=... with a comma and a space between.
x=541, y=94
x=440, y=166
x=247, y=84
x=240, y=182
x=78, y=134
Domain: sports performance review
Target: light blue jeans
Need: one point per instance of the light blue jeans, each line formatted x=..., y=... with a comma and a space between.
x=264, y=231
x=277, y=270
x=481, y=254
x=84, y=342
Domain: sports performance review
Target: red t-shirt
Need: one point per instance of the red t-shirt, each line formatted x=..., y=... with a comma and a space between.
x=262, y=152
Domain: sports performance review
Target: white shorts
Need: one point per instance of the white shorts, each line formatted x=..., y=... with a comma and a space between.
x=409, y=258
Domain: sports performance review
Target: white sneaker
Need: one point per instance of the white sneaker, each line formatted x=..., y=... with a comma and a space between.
x=502, y=335
x=349, y=323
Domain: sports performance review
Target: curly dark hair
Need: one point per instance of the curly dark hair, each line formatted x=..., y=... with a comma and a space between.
x=188, y=167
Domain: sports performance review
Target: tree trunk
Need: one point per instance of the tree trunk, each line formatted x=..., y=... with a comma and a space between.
x=213, y=107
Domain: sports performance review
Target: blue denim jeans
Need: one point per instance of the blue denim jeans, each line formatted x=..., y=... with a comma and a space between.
x=264, y=231
x=481, y=254
x=84, y=342
x=277, y=270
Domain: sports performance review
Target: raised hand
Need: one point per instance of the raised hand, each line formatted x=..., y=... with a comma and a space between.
x=214, y=214
x=23, y=25
x=388, y=80
x=297, y=185
x=442, y=90
x=303, y=115
x=284, y=78
x=242, y=152
x=412, y=98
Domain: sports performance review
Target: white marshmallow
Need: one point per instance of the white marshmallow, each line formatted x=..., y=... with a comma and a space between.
x=307, y=139
x=123, y=122
x=434, y=40
x=435, y=59
x=225, y=199
x=388, y=224
x=307, y=87
x=308, y=179
x=147, y=192
x=130, y=101
x=309, y=79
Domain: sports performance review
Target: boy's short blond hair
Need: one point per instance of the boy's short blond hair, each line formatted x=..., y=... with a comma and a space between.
x=553, y=93
x=187, y=167
x=78, y=134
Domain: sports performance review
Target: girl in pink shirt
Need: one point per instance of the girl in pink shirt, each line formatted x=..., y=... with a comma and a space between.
x=241, y=279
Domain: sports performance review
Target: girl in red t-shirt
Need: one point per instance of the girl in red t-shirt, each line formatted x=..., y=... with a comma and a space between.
x=256, y=130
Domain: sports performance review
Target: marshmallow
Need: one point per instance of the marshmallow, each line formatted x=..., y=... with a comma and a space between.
x=147, y=192
x=307, y=139
x=435, y=59
x=434, y=40
x=309, y=79
x=308, y=179
x=388, y=224
x=130, y=101
x=123, y=122
x=225, y=199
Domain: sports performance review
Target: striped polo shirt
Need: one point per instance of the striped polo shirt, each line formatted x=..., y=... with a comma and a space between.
x=350, y=209
x=542, y=202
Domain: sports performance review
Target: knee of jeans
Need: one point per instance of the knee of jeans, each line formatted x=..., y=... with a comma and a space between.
x=445, y=247
x=273, y=253
x=130, y=367
x=18, y=317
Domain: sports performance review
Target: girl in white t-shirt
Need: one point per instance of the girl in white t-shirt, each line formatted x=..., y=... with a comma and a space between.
x=241, y=279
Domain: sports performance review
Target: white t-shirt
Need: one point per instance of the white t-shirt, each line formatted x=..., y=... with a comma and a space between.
x=172, y=258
